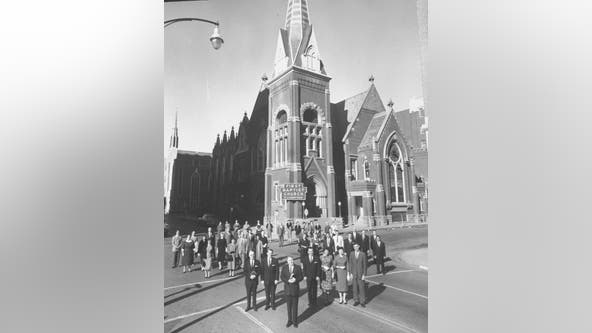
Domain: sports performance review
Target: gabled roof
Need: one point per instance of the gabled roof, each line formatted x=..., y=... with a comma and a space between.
x=368, y=100
x=374, y=128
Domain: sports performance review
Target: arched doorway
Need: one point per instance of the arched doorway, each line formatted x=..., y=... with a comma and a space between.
x=316, y=197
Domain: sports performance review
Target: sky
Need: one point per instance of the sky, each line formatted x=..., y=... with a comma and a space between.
x=211, y=89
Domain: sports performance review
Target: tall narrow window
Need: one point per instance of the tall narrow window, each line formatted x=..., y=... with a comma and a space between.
x=353, y=167
x=281, y=139
x=396, y=173
x=366, y=169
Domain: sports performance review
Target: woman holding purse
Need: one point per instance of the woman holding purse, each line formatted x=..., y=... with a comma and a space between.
x=232, y=253
x=340, y=265
x=327, y=282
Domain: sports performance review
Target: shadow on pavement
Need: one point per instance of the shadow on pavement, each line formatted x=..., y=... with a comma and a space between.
x=191, y=323
x=373, y=291
x=202, y=289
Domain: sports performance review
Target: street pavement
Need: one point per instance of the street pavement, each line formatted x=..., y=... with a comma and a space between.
x=396, y=302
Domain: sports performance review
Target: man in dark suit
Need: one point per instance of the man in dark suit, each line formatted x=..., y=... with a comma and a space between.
x=303, y=245
x=379, y=255
x=328, y=243
x=357, y=270
x=291, y=276
x=357, y=236
x=348, y=244
x=373, y=244
x=312, y=274
x=252, y=270
x=365, y=243
x=271, y=277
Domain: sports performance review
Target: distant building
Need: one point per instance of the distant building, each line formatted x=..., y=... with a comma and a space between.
x=187, y=175
x=238, y=167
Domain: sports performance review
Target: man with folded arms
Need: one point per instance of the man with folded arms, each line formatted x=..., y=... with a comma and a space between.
x=271, y=277
x=251, y=270
x=291, y=276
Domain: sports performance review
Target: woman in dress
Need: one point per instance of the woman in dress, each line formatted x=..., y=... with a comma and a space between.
x=187, y=254
x=340, y=264
x=232, y=247
x=327, y=282
x=221, y=245
x=258, y=248
x=201, y=250
x=208, y=261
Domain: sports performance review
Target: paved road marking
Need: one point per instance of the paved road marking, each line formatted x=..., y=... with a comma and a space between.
x=382, y=319
x=394, y=272
x=200, y=282
x=208, y=310
x=193, y=314
x=399, y=289
x=253, y=319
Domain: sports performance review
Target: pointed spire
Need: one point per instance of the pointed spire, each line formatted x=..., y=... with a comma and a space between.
x=371, y=79
x=232, y=133
x=218, y=140
x=390, y=103
x=296, y=22
x=264, y=79
x=224, y=137
x=297, y=14
x=245, y=118
x=174, y=143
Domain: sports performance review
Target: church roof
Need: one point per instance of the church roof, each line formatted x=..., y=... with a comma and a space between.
x=368, y=100
x=373, y=129
x=193, y=153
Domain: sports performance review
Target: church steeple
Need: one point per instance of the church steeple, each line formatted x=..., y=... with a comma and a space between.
x=296, y=22
x=297, y=44
x=174, y=143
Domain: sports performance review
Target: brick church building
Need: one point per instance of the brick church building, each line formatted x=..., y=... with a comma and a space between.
x=187, y=177
x=301, y=156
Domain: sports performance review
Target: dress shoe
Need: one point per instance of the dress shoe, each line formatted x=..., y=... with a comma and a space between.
x=247, y=308
x=295, y=325
x=363, y=305
x=356, y=303
x=266, y=307
x=288, y=324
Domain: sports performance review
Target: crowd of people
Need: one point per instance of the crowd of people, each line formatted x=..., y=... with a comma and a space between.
x=328, y=260
x=227, y=247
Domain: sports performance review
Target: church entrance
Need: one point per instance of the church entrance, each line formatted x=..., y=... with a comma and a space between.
x=316, y=197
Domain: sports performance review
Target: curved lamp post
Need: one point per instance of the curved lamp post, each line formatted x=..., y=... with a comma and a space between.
x=215, y=38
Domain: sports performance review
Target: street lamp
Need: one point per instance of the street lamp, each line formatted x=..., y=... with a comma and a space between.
x=215, y=38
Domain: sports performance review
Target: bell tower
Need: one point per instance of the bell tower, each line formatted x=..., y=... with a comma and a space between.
x=299, y=133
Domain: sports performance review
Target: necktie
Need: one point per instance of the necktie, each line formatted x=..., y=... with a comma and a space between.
x=269, y=261
x=310, y=259
x=252, y=263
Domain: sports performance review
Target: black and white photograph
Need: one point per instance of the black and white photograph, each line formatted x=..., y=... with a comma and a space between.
x=324, y=166
x=296, y=166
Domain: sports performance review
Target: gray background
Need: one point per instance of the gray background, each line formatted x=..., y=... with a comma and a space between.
x=81, y=129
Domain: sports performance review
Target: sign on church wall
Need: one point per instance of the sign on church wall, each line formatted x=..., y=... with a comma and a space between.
x=294, y=191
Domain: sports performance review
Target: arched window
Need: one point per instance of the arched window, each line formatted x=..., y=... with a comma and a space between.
x=312, y=129
x=280, y=139
x=281, y=118
x=310, y=115
x=366, y=169
x=396, y=172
